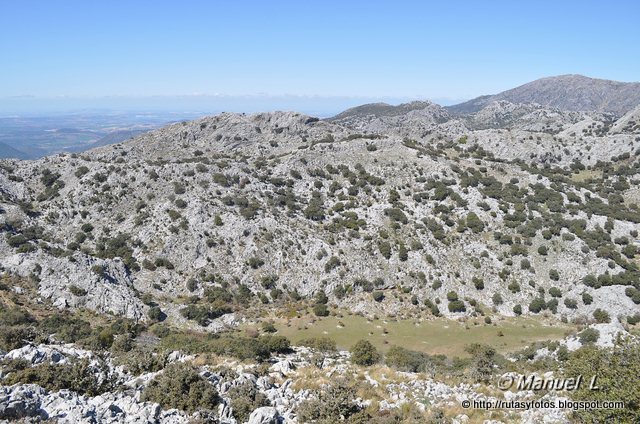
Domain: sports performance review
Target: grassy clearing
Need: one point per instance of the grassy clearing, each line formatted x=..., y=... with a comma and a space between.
x=586, y=175
x=439, y=336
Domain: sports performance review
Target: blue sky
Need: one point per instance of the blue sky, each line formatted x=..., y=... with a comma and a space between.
x=414, y=49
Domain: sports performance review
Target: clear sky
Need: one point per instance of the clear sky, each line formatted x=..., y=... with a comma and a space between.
x=421, y=49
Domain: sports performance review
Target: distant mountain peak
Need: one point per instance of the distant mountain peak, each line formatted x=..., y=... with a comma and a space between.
x=383, y=109
x=570, y=92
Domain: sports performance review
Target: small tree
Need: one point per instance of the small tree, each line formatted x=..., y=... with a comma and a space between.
x=601, y=316
x=364, y=353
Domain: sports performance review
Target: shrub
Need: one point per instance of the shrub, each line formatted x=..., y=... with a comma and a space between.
x=405, y=360
x=204, y=314
x=181, y=387
x=457, y=306
x=474, y=223
x=562, y=353
x=245, y=398
x=478, y=283
x=83, y=170
x=66, y=327
x=552, y=305
x=164, y=262
x=331, y=264
x=255, y=262
x=517, y=310
x=385, y=249
x=320, y=309
x=589, y=335
x=156, y=314
x=364, y=353
x=80, y=377
x=403, y=254
x=77, y=291
x=333, y=403
x=633, y=319
x=323, y=344
x=483, y=361
x=617, y=373
x=587, y=299
x=378, y=296
x=537, y=305
x=268, y=327
x=396, y=215
x=555, y=292
x=601, y=316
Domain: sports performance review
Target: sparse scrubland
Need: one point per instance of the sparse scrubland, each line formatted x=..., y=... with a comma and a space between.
x=380, y=266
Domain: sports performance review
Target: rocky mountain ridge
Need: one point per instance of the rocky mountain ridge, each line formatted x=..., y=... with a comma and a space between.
x=415, y=202
x=566, y=92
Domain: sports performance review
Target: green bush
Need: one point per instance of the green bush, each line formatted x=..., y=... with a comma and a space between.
x=204, y=314
x=320, y=309
x=332, y=263
x=478, y=283
x=483, y=362
x=617, y=373
x=588, y=335
x=181, y=387
x=537, y=305
x=79, y=376
x=457, y=306
x=331, y=404
x=406, y=360
x=601, y=316
x=364, y=353
x=323, y=344
x=245, y=398
x=156, y=314
x=555, y=292
x=474, y=222
x=385, y=249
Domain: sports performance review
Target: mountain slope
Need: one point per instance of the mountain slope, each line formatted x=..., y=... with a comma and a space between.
x=283, y=205
x=565, y=92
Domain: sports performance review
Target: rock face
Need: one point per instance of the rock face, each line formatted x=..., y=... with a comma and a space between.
x=566, y=92
x=31, y=401
x=265, y=415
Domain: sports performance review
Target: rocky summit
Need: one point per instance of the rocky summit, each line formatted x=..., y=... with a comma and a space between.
x=215, y=238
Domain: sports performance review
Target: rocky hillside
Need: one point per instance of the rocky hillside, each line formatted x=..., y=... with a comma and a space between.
x=518, y=208
x=565, y=92
x=158, y=280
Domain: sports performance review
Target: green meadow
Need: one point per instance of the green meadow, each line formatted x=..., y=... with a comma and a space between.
x=438, y=336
